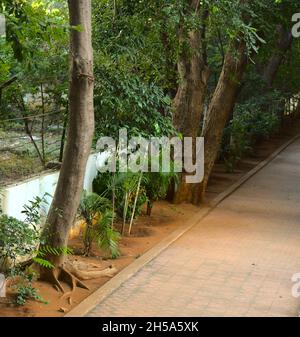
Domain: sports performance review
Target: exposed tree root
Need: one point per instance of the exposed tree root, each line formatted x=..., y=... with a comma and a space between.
x=90, y=271
x=72, y=273
x=56, y=275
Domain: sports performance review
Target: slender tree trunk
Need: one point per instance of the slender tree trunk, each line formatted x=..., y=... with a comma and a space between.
x=43, y=123
x=189, y=101
x=221, y=106
x=88, y=238
x=297, y=111
x=80, y=130
x=6, y=84
x=283, y=45
x=149, y=207
x=63, y=135
x=28, y=128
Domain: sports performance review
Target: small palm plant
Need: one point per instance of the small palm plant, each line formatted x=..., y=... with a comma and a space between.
x=97, y=213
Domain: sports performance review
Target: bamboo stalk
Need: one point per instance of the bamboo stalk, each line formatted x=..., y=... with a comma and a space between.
x=135, y=202
x=125, y=213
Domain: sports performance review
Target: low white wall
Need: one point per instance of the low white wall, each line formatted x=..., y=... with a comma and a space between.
x=17, y=195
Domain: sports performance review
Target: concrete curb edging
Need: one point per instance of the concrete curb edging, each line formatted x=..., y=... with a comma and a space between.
x=109, y=287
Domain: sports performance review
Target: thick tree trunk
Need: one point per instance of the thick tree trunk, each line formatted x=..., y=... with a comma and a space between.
x=80, y=130
x=221, y=106
x=283, y=45
x=189, y=101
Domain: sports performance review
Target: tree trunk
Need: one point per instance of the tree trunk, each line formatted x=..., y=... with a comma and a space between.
x=221, y=106
x=283, y=45
x=80, y=130
x=189, y=101
x=149, y=207
x=297, y=111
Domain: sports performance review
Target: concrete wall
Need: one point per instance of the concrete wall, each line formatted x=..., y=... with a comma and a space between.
x=14, y=197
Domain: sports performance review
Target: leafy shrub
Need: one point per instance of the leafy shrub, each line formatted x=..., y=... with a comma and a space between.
x=17, y=239
x=248, y=125
x=21, y=238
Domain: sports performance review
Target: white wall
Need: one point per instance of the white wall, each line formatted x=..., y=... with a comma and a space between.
x=17, y=195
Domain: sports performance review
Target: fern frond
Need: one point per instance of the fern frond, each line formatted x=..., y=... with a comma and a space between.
x=43, y=263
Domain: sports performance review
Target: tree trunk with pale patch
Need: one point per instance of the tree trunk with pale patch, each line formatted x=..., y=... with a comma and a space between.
x=188, y=104
x=79, y=139
x=221, y=106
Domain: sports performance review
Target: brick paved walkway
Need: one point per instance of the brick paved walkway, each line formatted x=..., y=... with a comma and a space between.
x=238, y=261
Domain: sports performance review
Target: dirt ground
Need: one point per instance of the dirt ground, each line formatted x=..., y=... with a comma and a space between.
x=147, y=232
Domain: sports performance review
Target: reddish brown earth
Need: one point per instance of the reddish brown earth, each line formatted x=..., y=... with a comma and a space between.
x=147, y=232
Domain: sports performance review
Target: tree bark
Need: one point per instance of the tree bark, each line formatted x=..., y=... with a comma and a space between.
x=220, y=107
x=6, y=84
x=80, y=130
x=283, y=45
x=297, y=111
x=189, y=101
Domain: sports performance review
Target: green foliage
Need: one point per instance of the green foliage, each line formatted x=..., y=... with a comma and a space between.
x=138, y=38
x=249, y=124
x=33, y=210
x=35, y=52
x=126, y=185
x=46, y=251
x=125, y=101
x=33, y=23
x=156, y=185
x=130, y=191
x=17, y=238
x=105, y=236
x=121, y=186
x=23, y=238
x=132, y=68
x=43, y=263
x=22, y=281
x=26, y=292
x=20, y=238
x=97, y=213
